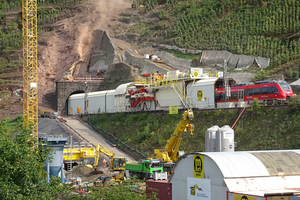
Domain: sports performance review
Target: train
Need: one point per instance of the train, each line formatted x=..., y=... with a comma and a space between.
x=191, y=89
x=266, y=92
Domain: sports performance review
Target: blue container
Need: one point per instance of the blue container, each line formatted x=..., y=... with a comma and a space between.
x=54, y=166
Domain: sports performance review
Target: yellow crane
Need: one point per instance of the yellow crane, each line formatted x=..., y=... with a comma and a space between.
x=171, y=151
x=30, y=77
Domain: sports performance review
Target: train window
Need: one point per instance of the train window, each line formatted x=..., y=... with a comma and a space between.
x=257, y=91
x=266, y=90
x=251, y=92
x=285, y=86
x=247, y=91
x=274, y=90
x=234, y=95
x=219, y=97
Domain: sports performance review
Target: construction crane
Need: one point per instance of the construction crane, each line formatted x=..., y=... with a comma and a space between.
x=30, y=77
x=171, y=151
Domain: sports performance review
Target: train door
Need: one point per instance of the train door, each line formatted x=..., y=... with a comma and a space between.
x=241, y=95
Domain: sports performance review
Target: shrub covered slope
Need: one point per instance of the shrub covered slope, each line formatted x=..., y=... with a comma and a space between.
x=259, y=128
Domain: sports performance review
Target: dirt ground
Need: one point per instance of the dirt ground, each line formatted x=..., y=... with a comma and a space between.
x=88, y=174
x=70, y=40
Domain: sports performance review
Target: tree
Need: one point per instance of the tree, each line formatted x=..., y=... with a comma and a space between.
x=21, y=168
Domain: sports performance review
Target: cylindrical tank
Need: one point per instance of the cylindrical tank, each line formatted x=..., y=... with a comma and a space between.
x=210, y=139
x=225, y=139
x=55, y=166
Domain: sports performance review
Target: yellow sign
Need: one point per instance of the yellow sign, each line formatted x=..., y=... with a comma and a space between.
x=198, y=166
x=243, y=197
x=199, y=95
x=173, y=110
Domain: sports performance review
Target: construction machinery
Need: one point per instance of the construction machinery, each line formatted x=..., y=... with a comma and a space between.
x=45, y=114
x=30, y=77
x=83, y=153
x=69, y=75
x=116, y=164
x=171, y=153
x=144, y=168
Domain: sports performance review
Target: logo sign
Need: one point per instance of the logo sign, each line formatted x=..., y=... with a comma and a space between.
x=84, y=153
x=243, y=197
x=198, y=189
x=198, y=166
x=173, y=110
x=199, y=95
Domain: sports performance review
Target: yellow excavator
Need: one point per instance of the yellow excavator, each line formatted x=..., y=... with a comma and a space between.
x=116, y=164
x=79, y=154
x=69, y=75
x=171, y=153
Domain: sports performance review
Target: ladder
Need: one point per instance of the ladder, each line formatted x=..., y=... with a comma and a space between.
x=179, y=92
x=69, y=163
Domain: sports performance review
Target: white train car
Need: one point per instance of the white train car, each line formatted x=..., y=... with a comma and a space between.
x=156, y=92
x=76, y=104
x=110, y=101
x=96, y=102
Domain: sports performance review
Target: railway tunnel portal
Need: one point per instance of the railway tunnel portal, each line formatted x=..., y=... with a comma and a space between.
x=64, y=89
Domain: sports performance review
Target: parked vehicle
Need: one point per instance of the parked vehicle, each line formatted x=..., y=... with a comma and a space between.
x=144, y=168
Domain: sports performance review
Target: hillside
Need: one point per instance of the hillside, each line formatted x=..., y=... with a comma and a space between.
x=65, y=34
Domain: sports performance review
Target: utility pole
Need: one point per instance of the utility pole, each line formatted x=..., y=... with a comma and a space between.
x=85, y=98
x=225, y=83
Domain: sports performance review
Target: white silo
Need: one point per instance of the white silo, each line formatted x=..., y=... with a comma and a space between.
x=210, y=139
x=225, y=139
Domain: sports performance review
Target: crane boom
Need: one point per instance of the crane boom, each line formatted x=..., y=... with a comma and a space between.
x=30, y=77
x=170, y=153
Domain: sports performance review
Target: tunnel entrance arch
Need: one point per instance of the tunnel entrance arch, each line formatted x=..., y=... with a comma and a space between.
x=65, y=109
x=65, y=89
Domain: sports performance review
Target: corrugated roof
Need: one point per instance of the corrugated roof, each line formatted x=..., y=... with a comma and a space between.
x=264, y=186
x=280, y=163
x=257, y=163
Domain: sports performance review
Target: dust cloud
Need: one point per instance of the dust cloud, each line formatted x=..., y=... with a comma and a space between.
x=102, y=13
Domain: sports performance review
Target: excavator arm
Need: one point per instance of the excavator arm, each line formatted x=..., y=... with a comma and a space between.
x=69, y=75
x=171, y=153
x=97, y=154
x=115, y=163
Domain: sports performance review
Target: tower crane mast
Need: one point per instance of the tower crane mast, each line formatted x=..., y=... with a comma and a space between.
x=30, y=78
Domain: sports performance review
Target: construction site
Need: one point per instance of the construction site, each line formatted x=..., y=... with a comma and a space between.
x=82, y=57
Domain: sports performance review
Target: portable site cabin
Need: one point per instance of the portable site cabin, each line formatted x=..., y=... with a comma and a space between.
x=252, y=175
